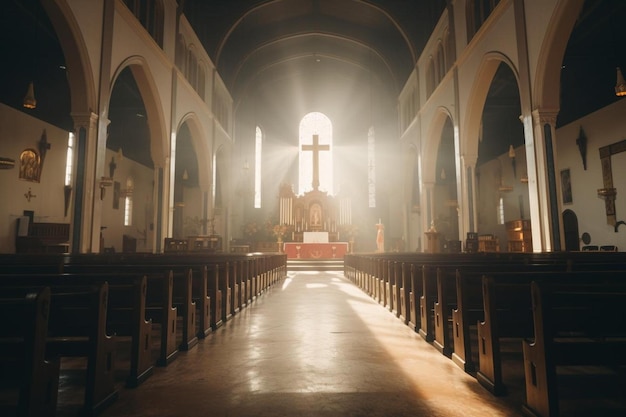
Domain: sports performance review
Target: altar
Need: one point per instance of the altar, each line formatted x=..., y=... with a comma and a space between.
x=301, y=250
x=315, y=220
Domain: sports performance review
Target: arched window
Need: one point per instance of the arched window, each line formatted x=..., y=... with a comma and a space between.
x=318, y=125
x=258, y=147
x=201, y=81
x=500, y=210
x=449, y=50
x=478, y=12
x=430, y=77
x=192, y=67
x=181, y=54
x=441, y=63
x=371, y=167
x=150, y=15
x=69, y=161
x=128, y=202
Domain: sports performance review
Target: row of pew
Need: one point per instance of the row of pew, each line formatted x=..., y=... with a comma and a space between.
x=122, y=314
x=560, y=310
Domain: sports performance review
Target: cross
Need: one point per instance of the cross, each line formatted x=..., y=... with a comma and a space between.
x=316, y=148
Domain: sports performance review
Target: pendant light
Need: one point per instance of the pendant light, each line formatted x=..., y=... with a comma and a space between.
x=620, y=85
x=29, y=99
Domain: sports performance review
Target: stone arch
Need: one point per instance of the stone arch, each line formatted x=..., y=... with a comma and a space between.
x=159, y=140
x=433, y=138
x=546, y=90
x=79, y=74
x=190, y=179
x=477, y=98
x=198, y=141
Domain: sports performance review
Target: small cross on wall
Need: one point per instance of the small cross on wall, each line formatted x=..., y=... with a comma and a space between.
x=29, y=195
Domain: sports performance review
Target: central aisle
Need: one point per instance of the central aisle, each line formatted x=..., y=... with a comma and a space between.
x=315, y=346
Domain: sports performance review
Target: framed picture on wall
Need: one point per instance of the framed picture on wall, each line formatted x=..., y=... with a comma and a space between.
x=566, y=186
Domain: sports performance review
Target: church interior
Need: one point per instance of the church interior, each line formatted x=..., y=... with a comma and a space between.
x=312, y=130
x=207, y=144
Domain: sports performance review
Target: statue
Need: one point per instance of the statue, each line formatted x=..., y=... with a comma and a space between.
x=380, y=237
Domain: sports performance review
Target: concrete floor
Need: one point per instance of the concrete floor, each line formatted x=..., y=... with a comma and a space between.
x=314, y=345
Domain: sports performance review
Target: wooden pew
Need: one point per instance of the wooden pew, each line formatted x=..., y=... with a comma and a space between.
x=44, y=238
x=169, y=295
x=459, y=302
x=77, y=328
x=573, y=325
x=126, y=312
x=508, y=314
x=23, y=352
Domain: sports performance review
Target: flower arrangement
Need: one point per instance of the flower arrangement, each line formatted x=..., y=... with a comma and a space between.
x=250, y=229
x=350, y=230
x=194, y=225
x=279, y=230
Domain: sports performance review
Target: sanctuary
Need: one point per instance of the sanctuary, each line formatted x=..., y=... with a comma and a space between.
x=315, y=219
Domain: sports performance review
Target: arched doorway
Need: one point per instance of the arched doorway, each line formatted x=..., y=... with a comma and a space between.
x=570, y=231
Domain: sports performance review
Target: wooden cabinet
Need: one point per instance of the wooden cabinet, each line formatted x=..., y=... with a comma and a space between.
x=488, y=243
x=519, y=236
x=210, y=243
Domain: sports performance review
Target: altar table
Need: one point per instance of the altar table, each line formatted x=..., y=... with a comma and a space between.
x=300, y=250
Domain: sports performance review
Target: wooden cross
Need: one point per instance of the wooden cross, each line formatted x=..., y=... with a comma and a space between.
x=316, y=148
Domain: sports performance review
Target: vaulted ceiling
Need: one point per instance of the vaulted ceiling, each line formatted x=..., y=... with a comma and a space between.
x=262, y=42
x=254, y=41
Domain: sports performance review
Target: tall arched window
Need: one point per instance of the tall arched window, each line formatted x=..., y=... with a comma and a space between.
x=441, y=63
x=320, y=125
x=430, y=77
x=69, y=161
x=371, y=167
x=128, y=202
x=150, y=14
x=258, y=147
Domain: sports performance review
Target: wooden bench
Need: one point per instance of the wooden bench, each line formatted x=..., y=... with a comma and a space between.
x=573, y=325
x=459, y=302
x=77, y=329
x=44, y=238
x=126, y=313
x=23, y=358
x=508, y=314
x=162, y=283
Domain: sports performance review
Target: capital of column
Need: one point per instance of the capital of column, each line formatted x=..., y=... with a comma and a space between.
x=429, y=185
x=543, y=116
x=469, y=160
x=86, y=120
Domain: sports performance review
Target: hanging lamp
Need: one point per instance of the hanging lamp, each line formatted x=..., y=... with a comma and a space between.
x=620, y=85
x=29, y=99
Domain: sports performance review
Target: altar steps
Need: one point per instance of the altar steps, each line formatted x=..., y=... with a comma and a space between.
x=298, y=265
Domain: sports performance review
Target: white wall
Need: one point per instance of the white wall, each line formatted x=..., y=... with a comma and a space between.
x=602, y=128
x=18, y=132
x=142, y=227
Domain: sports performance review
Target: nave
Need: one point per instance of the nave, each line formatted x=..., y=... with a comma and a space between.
x=313, y=345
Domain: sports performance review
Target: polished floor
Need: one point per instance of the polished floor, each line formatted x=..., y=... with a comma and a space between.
x=313, y=345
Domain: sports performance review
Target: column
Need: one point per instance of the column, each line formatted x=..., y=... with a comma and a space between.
x=87, y=205
x=467, y=196
x=542, y=185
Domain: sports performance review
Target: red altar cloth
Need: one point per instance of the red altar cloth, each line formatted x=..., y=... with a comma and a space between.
x=299, y=250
